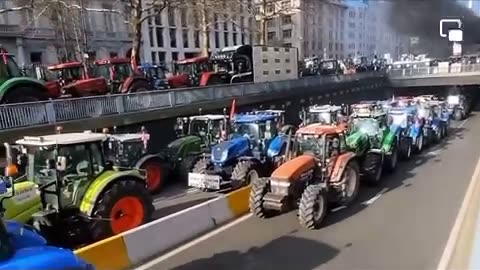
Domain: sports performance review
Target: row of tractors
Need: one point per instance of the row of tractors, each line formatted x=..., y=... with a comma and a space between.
x=76, y=188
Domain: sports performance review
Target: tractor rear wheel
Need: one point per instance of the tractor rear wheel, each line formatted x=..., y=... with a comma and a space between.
x=186, y=166
x=156, y=175
x=351, y=178
x=392, y=159
x=244, y=173
x=139, y=86
x=124, y=206
x=406, y=148
x=313, y=207
x=257, y=193
x=24, y=94
x=458, y=115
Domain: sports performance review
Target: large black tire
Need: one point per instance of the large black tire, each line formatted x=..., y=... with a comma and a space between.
x=372, y=168
x=260, y=187
x=313, y=207
x=201, y=166
x=406, y=148
x=244, y=173
x=391, y=161
x=157, y=174
x=24, y=94
x=105, y=207
x=186, y=166
x=351, y=176
x=139, y=86
x=458, y=115
x=420, y=143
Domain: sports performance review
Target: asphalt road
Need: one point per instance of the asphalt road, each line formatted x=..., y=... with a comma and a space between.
x=403, y=224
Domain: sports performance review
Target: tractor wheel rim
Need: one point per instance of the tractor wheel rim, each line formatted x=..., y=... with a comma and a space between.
x=127, y=213
x=318, y=208
x=251, y=176
x=409, y=150
x=420, y=143
x=154, y=174
x=351, y=182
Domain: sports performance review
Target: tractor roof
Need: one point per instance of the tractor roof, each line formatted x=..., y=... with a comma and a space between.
x=62, y=139
x=192, y=60
x=129, y=137
x=206, y=117
x=275, y=112
x=75, y=64
x=112, y=61
x=402, y=110
x=320, y=129
x=252, y=118
x=324, y=108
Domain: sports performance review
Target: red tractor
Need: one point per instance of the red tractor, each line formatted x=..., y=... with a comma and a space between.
x=189, y=72
x=120, y=76
x=75, y=80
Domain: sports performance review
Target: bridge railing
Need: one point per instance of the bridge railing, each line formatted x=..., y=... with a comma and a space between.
x=62, y=110
x=426, y=71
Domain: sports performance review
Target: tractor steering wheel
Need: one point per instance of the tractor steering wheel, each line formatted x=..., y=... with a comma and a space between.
x=82, y=167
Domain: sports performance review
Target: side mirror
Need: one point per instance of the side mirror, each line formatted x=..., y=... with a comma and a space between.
x=61, y=164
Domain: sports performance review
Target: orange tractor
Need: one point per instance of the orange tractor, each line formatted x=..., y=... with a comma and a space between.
x=318, y=171
x=121, y=77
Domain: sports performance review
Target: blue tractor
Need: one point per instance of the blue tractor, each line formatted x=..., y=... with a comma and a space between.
x=155, y=74
x=255, y=148
x=21, y=247
x=434, y=129
x=403, y=118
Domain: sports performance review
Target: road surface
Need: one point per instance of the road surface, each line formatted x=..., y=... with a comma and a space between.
x=403, y=224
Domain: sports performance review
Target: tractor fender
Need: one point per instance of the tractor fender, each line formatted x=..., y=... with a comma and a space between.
x=205, y=78
x=249, y=158
x=276, y=145
x=9, y=85
x=389, y=141
x=130, y=81
x=145, y=158
x=414, y=131
x=340, y=166
x=87, y=87
x=102, y=183
x=376, y=152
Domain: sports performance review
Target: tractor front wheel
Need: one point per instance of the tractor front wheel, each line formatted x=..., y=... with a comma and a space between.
x=156, y=175
x=186, y=166
x=125, y=205
x=313, y=207
x=244, y=173
x=257, y=193
x=406, y=148
x=373, y=168
x=201, y=166
x=458, y=115
x=351, y=180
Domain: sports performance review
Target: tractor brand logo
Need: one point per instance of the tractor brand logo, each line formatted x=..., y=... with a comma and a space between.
x=306, y=175
x=24, y=195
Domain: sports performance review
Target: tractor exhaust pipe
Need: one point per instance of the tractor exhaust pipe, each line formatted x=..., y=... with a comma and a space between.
x=289, y=142
x=8, y=152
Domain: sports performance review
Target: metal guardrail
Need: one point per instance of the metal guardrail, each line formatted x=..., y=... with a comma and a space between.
x=62, y=110
x=426, y=71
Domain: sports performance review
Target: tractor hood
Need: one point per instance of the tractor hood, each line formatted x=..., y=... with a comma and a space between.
x=356, y=139
x=228, y=150
x=295, y=169
x=178, y=145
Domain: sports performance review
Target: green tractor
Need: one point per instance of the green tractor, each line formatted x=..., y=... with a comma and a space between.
x=196, y=135
x=15, y=87
x=83, y=197
x=372, y=140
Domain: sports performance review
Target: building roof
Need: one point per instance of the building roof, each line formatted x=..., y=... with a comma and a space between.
x=62, y=139
x=321, y=129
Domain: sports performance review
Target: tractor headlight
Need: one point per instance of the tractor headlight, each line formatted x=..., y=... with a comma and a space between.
x=279, y=187
x=224, y=156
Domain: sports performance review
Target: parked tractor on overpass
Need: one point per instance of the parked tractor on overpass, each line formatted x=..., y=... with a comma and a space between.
x=319, y=170
x=155, y=74
x=254, y=150
x=75, y=81
x=15, y=87
x=24, y=248
x=189, y=72
x=120, y=76
x=84, y=199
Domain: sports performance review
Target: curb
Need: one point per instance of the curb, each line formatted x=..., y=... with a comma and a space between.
x=137, y=245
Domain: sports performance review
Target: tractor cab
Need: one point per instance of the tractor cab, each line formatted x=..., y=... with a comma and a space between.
x=369, y=119
x=120, y=76
x=259, y=128
x=188, y=72
x=211, y=128
x=321, y=141
x=124, y=150
x=330, y=67
x=312, y=66
x=156, y=74
x=232, y=65
x=324, y=114
x=71, y=174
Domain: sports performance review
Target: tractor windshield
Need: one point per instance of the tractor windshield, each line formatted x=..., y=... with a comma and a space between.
x=311, y=145
x=327, y=65
x=69, y=74
x=39, y=165
x=369, y=126
x=423, y=112
x=121, y=71
x=198, y=127
x=12, y=67
x=252, y=131
x=320, y=117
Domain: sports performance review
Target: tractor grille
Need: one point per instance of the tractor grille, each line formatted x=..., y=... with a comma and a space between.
x=217, y=153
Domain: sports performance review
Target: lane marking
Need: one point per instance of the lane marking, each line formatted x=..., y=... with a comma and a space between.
x=376, y=197
x=455, y=232
x=190, y=244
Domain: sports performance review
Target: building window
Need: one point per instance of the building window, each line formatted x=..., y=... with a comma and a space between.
x=171, y=17
x=196, y=37
x=351, y=14
x=351, y=24
x=154, y=57
x=270, y=8
x=215, y=20
x=287, y=33
x=330, y=46
x=174, y=56
x=234, y=26
x=35, y=57
x=150, y=36
x=270, y=23
x=225, y=39
x=351, y=35
x=161, y=57
x=336, y=46
x=225, y=24
x=330, y=35
x=243, y=38
x=271, y=35
x=217, y=40
x=286, y=19
x=183, y=17
x=173, y=38
x=159, y=32
x=158, y=19
x=185, y=39
x=285, y=4
x=234, y=37
x=341, y=46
